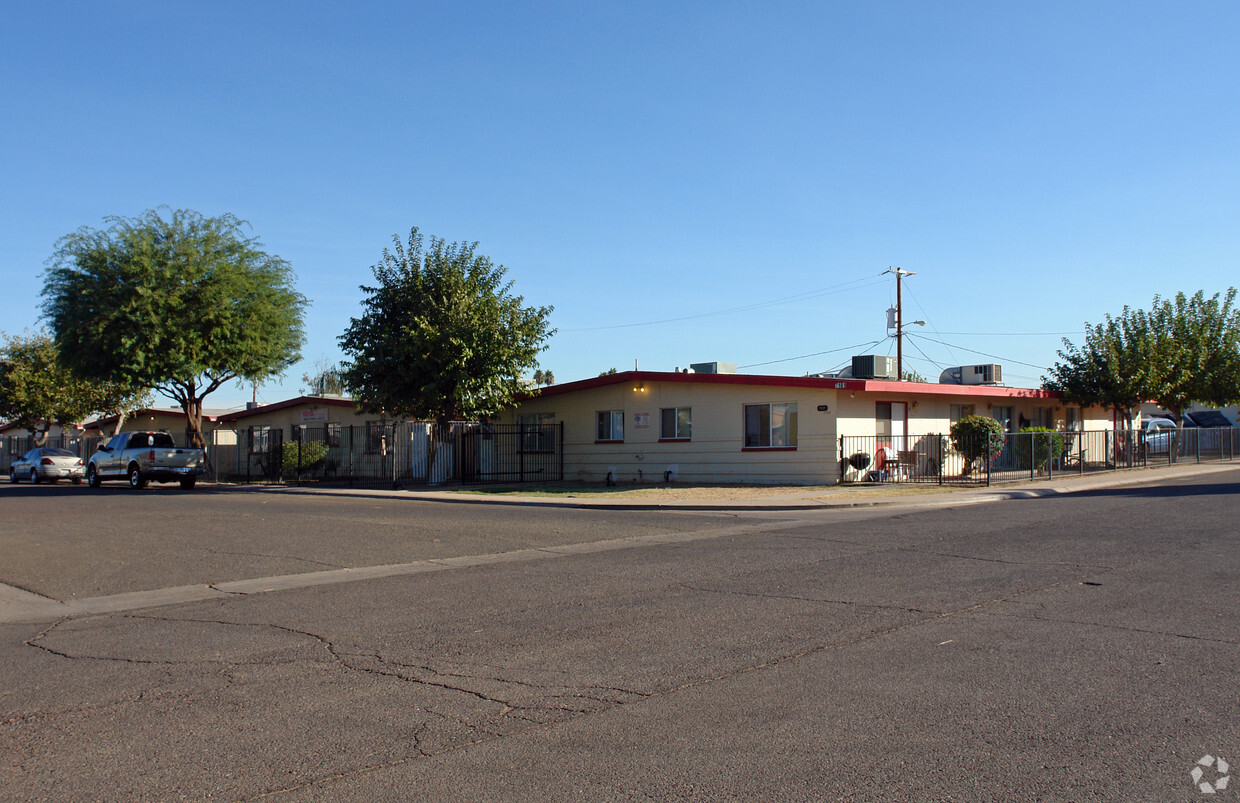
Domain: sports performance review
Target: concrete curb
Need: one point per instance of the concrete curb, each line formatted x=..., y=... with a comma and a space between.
x=822, y=501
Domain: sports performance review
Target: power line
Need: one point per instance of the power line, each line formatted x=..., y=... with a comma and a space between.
x=815, y=354
x=853, y=284
x=977, y=352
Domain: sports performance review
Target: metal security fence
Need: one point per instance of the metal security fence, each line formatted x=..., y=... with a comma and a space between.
x=392, y=454
x=1012, y=457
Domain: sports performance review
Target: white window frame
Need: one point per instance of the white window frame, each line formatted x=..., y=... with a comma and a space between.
x=783, y=436
x=609, y=423
x=681, y=430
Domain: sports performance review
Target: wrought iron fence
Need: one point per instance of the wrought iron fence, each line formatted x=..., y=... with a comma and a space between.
x=943, y=460
x=393, y=454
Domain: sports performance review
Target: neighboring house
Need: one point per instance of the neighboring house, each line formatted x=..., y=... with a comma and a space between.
x=169, y=420
x=16, y=440
x=728, y=427
x=330, y=419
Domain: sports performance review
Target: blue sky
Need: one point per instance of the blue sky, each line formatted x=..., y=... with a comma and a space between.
x=682, y=182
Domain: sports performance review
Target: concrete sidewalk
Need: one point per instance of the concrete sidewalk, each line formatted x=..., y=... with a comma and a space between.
x=840, y=496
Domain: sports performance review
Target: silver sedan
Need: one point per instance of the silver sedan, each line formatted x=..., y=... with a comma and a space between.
x=47, y=463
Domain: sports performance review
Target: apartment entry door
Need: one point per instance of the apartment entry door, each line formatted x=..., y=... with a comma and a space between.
x=890, y=419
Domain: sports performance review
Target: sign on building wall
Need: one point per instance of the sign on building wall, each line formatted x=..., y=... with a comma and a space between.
x=641, y=420
x=314, y=415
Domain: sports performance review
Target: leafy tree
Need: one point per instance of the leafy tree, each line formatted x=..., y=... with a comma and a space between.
x=327, y=380
x=182, y=305
x=1196, y=348
x=441, y=337
x=977, y=437
x=912, y=376
x=37, y=390
x=1184, y=350
x=609, y=372
x=1113, y=368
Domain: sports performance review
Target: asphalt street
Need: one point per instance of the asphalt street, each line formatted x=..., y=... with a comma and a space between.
x=1072, y=647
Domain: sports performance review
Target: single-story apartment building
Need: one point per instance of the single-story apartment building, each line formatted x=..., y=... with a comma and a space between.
x=322, y=417
x=649, y=426
x=170, y=420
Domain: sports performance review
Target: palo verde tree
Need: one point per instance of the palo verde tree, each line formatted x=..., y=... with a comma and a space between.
x=1184, y=350
x=181, y=304
x=37, y=390
x=441, y=336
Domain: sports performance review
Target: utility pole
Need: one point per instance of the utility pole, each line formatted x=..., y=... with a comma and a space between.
x=900, y=272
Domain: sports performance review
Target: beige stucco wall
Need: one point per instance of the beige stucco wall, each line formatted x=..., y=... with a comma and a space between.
x=288, y=417
x=714, y=454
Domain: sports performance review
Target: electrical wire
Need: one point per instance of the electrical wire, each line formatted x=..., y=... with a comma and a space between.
x=815, y=354
x=853, y=284
x=975, y=351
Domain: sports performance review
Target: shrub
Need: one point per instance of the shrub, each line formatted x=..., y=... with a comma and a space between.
x=977, y=437
x=1040, y=445
x=310, y=455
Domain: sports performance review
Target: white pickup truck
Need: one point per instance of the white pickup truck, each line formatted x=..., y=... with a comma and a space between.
x=143, y=456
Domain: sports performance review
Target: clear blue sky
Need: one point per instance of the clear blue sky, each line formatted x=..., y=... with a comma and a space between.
x=747, y=168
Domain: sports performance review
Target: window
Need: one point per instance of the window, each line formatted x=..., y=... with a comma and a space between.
x=260, y=440
x=1004, y=416
x=609, y=425
x=331, y=434
x=1044, y=417
x=960, y=411
x=676, y=423
x=376, y=437
x=537, y=434
x=770, y=426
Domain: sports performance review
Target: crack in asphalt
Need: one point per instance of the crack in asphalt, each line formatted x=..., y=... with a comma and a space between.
x=817, y=600
x=211, y=551
x=1121, y=628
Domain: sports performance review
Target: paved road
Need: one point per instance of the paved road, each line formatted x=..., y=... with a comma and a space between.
x=1081, y=647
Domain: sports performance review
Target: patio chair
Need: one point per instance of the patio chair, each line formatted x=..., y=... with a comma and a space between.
x=906, y=463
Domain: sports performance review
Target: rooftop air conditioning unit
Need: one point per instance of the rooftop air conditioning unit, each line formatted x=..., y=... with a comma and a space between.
x=873, y=366
x=989, y=374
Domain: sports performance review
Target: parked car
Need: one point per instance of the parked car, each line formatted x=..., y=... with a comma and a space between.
x=48, y=463
x=140, y=457
x=1159, y=434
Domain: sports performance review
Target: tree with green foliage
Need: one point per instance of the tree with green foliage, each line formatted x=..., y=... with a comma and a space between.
x=327, y=380
x=1184, y=350
x=977, y=437
x=181, y=304
x=1196, y=348
x=441, y=336
x=1113, y=368
x=37, y=390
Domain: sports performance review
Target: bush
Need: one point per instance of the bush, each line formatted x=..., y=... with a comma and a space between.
x=1038, y=445
x=977, y=437
x=311, y=454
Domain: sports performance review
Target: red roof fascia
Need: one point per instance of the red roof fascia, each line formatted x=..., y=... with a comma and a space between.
x=314, y=401
x=821, y=383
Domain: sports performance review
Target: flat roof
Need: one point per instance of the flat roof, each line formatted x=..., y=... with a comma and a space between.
x=886, y=386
